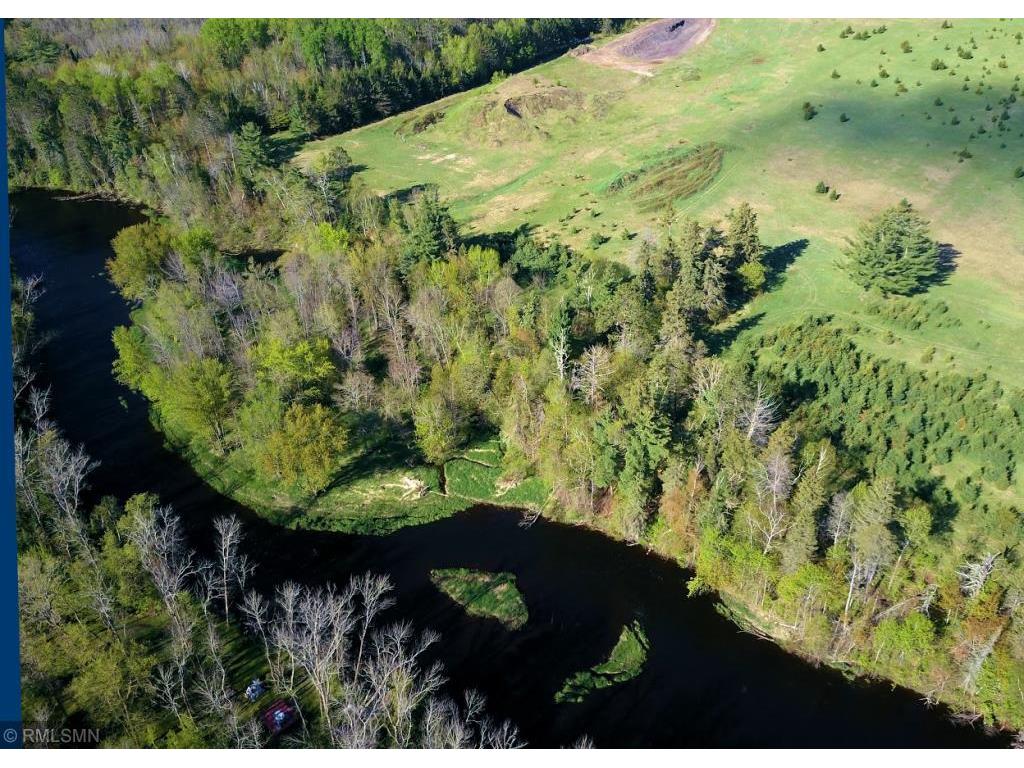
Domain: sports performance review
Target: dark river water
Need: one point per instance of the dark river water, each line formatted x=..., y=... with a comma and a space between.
x=705, y=682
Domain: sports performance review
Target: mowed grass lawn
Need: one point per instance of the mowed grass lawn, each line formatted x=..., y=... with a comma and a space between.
x=581, y=126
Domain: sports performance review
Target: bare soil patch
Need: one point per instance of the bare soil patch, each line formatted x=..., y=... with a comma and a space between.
x=651, y=44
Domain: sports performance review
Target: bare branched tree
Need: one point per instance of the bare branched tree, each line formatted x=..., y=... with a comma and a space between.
x=758, y=419
x=774, y=484
x=591, y=373
x=375, y=594
x=559, y=344
x=378, y=695
x=232, y=567
x=839, y=518
x=973, y=576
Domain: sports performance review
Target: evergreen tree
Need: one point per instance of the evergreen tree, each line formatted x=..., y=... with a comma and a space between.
x=432, y=232
x=894, y=252
x=744, y=247
x=252, y=151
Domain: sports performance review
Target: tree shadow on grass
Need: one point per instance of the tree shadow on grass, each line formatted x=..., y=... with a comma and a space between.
x=283, y=148
x=934, y=491
x=503, y=242
x=407, y=194
x=778, y=259
x=719, y=341
x=946, y=262
x=346, y=173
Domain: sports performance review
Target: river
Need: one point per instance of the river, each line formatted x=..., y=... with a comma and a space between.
x=705, y=682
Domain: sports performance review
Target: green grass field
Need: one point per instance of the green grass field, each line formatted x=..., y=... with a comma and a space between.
x=582, y=129
x=371, y=495
x=492, y=595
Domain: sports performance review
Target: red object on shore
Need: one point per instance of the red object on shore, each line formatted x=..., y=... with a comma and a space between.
x=279, y=717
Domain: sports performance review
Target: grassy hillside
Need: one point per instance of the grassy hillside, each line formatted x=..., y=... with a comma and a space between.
x=593, y=154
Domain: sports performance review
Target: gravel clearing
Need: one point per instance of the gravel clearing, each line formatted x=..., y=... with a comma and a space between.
x=651, y=44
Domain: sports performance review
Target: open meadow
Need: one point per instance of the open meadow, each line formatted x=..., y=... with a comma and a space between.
x=597, y=155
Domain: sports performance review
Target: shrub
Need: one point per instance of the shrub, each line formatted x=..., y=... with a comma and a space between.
x=835, y=74
x=822, y=187
x=844, y=118
x=809, y=111
x=938, y=64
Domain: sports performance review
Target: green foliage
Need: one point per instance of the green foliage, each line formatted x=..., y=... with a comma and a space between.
x=198, y=397
x=140, y=252
x=304, y=365
x=893, y=252
x=439, y=432
x=252, y=151
x=908, y=646
x=133, y=360
x=304, y=451
x=168, y=114
x=493, y=595
x=233, y=39
x=432, y=232
x=625, y=662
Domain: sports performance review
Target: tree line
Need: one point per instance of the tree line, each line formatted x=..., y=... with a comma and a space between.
x=181, y=117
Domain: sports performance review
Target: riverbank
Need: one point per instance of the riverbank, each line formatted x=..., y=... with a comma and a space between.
x=381, y=490
x=369, y=496
x=580, y=587
x=385, y=501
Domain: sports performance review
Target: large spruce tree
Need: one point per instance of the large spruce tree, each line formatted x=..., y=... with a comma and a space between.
x=894, y=252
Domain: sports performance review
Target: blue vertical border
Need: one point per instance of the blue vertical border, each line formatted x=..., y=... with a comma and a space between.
x=10, y=673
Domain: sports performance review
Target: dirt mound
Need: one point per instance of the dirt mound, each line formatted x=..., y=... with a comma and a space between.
x=538, y=102
x=418, y=122
x=651, y=44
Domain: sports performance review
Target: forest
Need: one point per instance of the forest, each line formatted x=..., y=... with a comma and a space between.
x=294, y=332
x=128, y=629
x=194, y=120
